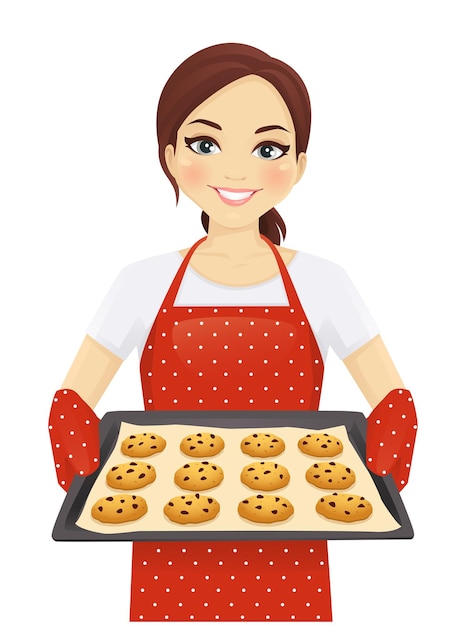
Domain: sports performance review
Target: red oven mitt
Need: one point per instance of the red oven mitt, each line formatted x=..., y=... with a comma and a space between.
x=391, y=432
x=74, y=435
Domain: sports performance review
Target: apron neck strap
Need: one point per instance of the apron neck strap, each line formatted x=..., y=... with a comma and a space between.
x=289, y=287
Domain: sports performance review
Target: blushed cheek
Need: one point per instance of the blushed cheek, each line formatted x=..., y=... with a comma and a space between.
x=191, y=176
x=278, y=178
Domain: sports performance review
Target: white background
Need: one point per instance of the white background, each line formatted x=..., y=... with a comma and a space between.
x=82, y=194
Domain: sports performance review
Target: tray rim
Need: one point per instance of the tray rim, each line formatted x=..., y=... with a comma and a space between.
x=65, y=528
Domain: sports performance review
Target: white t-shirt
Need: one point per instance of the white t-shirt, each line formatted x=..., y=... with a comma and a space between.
x=337, y=314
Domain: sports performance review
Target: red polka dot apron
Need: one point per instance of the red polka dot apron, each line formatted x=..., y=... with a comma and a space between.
x=236, y=358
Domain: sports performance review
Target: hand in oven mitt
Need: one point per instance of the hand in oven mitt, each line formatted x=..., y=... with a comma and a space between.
x=391, y=433
x=74, y=435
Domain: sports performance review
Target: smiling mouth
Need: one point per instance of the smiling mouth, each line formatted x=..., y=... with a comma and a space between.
x=235, y=197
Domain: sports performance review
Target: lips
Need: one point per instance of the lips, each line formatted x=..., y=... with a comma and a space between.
x=235, y=197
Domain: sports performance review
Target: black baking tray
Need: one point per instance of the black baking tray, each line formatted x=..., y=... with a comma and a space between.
x=65, y=528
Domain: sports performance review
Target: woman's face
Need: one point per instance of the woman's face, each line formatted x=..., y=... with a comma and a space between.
x=235, y=155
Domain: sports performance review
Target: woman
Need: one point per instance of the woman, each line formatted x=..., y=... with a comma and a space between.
x=235, y=322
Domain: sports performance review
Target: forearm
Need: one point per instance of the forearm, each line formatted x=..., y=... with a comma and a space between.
x=91, y=372
x=374, y=371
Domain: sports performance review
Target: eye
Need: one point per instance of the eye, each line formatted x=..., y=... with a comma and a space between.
x=270, y=151
x=202, y=145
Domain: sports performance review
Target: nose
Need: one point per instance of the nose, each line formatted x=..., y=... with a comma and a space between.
x=235, y=175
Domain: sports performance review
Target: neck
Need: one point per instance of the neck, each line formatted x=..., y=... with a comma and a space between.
x=234, y=243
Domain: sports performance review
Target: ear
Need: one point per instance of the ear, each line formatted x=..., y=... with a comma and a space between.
x=170, y=159
x=301, y=165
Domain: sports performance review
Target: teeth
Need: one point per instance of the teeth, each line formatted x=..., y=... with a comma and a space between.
x=235, y=195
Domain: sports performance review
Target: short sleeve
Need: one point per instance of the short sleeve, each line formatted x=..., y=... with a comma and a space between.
x=127, y=312
x=338, y=315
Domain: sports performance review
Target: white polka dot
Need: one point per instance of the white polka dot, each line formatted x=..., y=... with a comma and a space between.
x=243, y=589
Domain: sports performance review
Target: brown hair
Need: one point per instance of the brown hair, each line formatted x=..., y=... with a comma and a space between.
x=209, y=70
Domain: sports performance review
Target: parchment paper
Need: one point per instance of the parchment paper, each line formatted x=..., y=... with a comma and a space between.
x=231, y=491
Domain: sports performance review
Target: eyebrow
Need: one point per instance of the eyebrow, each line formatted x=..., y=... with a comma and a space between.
x=263, y=129
x=207, y=122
